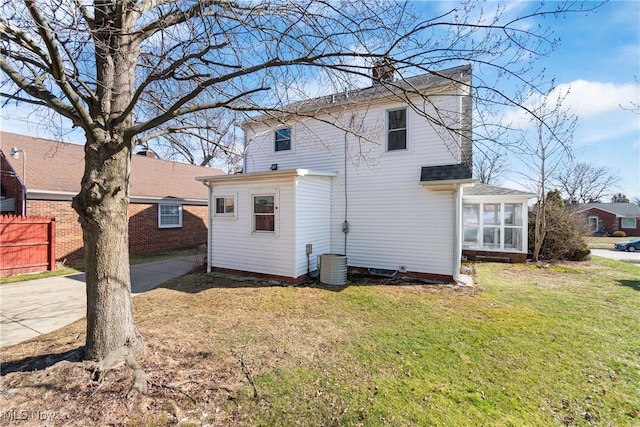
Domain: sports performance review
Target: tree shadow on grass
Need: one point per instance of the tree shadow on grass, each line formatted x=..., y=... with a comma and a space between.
x=38, y=363
x=633, y=284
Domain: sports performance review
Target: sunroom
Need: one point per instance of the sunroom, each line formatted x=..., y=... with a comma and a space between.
x=494, y=223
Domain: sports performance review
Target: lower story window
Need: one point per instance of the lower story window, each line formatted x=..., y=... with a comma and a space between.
x=264, y=216
x=494, y=226
x=225, y=206
x=628, y=223
x=169, y=216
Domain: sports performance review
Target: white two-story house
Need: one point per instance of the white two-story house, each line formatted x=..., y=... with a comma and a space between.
x=375, y=174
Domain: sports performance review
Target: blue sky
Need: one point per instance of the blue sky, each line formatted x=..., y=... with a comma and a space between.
x=599, y=58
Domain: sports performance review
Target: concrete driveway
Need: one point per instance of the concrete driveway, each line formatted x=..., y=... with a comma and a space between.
x=29, y=309
x=634, y=257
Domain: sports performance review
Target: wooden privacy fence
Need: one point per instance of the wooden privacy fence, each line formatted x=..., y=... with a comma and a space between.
x=27, y=244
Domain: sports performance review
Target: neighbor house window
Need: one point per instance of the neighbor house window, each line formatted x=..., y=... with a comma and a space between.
x=493, y=226
x=169, y=216
x=397, y=129
x=225, y=206
x=628, y=223
x=283, y=139
x=264, y=217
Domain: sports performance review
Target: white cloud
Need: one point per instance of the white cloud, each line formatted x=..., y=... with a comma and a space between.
x=588, y=100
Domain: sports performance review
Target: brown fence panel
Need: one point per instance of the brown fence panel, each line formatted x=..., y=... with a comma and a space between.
x=27, y=244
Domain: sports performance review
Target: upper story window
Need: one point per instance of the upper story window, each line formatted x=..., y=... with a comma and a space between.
x=283, y=139
x=169, y=216
x=397, y=129
x=225, y=206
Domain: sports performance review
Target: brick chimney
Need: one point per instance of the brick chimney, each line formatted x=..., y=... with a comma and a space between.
x=147, y=153
x=383, y=71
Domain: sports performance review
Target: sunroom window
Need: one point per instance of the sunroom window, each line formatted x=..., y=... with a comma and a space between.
x=493, y=226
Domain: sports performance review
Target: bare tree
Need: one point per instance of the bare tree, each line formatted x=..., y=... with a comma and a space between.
x=584, y=183
x=488, y=167
x=126, y=71
x=544, y=152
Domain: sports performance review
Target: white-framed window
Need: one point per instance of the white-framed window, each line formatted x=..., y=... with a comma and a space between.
x=471, y=225
x=283, y=139
x=594, y=223
x=397, y=129
x=263, y=211
x=493, y=226
x=628, y=222
x=513, y=226
x=225, y=206
x=169, y=215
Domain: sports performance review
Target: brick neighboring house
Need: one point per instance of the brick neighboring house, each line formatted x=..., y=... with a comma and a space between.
x=607, y=218
x=168, y=208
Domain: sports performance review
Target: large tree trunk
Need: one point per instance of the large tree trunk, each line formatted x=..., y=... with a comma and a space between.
x=103, y=208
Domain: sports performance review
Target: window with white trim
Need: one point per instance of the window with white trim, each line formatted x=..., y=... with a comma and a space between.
x=628, y=222
x=283, y=139
x=493, y=226
x=471, y=225
x=225, y=206
x=397, y=129
x=169, y=215
x=264, y=213
x=594, y=223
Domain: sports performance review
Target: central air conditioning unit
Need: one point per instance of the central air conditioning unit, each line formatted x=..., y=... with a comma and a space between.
x=333, y=269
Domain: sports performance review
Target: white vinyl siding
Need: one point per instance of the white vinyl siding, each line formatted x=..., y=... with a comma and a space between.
x=313, y=221
x=394, y=221
x=235, y=246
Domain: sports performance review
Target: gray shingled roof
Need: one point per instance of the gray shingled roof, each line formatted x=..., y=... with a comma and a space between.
x=619, y=209
x=445, y=173
x=393, y=90
x=491, y=190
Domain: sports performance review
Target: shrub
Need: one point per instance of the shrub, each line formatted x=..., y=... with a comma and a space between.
x=619, y=233
x=565, y=229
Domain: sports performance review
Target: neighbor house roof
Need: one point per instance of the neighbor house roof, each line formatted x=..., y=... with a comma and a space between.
x=400, y=88
x=619, y=209
x=57, y=167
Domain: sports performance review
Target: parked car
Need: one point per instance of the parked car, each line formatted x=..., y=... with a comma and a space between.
x=631, y=246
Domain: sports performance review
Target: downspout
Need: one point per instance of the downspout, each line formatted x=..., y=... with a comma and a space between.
x=244, y=151
x=457, y=245
x=345, y=224
x=210, y=231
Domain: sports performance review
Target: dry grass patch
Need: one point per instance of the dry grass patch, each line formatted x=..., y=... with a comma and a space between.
x=535, y=347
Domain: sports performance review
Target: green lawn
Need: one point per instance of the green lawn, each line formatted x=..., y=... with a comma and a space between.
x=527, y=347
x=537, y=347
